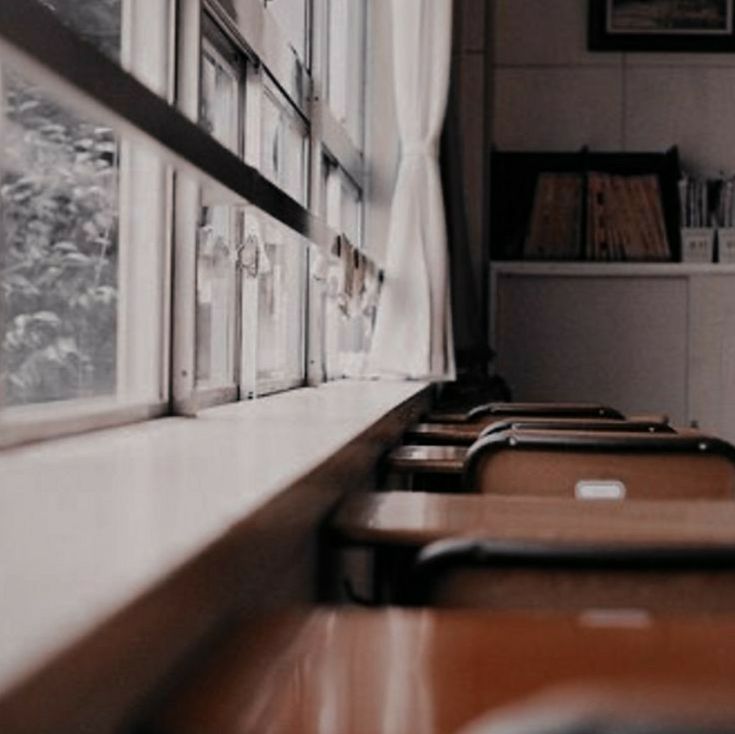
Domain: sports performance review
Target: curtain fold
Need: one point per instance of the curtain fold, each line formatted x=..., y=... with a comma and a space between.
x=413, y=330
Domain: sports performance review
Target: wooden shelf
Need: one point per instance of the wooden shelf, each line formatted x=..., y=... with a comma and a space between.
x=611, y=269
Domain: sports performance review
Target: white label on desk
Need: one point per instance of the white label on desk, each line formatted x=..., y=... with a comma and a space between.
x=599, y=489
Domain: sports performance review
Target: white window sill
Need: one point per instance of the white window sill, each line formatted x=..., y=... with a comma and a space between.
x=89, y=522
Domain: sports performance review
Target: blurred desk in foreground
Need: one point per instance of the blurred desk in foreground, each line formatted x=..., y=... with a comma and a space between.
x=430, y=672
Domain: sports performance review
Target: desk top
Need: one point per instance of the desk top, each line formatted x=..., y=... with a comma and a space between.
x=417, y=518
x=430, y=672
x=428, y=459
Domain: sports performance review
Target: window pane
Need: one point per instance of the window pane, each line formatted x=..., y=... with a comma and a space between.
x=216, y=286
x=291, y=17
x=343, y=204
x=283, y=146
x=345, y=72
x=140, y=39
x=82, y=256
x=345, y=322
x=220, y=99
x=281, y=309
x=97, y=21
x=350, y=207
x=59, y=199
x=60, y=222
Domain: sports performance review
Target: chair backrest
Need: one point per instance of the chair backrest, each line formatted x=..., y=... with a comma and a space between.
x=601, y=465
x=485, y=411
x=550, y=577
x=578, y=424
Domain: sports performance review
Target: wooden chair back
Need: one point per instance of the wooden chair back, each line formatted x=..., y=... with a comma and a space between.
x=553, y=578
x=601, y=465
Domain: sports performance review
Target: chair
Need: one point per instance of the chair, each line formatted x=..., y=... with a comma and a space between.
x=464, y=434
x=488, y=411
x=549, y=577
x=601, y=465
x=632, y=425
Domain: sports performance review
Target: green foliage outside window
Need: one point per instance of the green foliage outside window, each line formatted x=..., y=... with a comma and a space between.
x=59, y=247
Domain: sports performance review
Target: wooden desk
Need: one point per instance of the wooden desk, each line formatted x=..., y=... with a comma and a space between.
x=414, y=519
x=430, y=672
x=428, y=459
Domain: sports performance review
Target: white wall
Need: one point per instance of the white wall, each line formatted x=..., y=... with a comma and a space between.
x=550, y=93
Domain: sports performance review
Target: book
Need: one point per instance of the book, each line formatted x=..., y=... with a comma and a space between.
x=554, y=231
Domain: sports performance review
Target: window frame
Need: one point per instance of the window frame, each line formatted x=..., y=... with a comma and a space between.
x=34, y=421
x=59, y=60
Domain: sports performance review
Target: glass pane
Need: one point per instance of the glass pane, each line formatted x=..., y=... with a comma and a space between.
x=82, y=255
x=216, y=285
x=97, y=21
x=339, y=58
x=283, y=146
x=345, y=63
x=59, y=270
x=291, y=17
x=350, y=210
x=281, y=309
x=219, y=99
x=343, y=204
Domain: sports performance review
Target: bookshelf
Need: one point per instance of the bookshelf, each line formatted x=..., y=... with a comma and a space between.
x=584, y=205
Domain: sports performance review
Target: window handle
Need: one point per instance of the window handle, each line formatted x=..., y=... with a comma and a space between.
x=248, y=256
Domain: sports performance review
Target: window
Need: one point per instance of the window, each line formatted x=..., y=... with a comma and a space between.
x=293, y=19
x=60, y=223
x=101, y=210
x=281, y=308
x=99, y=22
x=284, y=144
x=72, y=281
x=222, y=114
x=60, y=220
x=345, y=67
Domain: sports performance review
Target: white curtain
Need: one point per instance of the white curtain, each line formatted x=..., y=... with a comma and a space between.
x=413, y=331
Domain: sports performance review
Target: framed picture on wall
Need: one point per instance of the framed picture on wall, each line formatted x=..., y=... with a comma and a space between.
x=661, y=25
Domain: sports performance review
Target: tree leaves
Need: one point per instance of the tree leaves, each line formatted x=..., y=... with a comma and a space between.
x=58, y=263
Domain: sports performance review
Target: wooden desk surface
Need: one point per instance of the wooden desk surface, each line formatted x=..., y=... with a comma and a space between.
x=417, y=518
x=430, y=672
x=428, y=459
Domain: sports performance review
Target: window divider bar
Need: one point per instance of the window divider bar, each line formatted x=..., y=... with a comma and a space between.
x=336, y=140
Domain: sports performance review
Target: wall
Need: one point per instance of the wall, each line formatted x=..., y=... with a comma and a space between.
x=550, y=93
x=469, y=91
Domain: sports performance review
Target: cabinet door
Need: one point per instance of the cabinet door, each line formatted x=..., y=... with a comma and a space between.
x=712, y=354
x=620, y=340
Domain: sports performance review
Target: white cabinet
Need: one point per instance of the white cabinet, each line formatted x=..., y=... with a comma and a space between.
x=645, y=338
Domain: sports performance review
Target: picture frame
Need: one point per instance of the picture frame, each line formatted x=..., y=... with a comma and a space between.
x=705, y=26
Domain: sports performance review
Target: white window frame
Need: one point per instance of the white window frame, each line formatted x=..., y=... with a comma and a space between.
x=140, y=20
x=53, y=57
